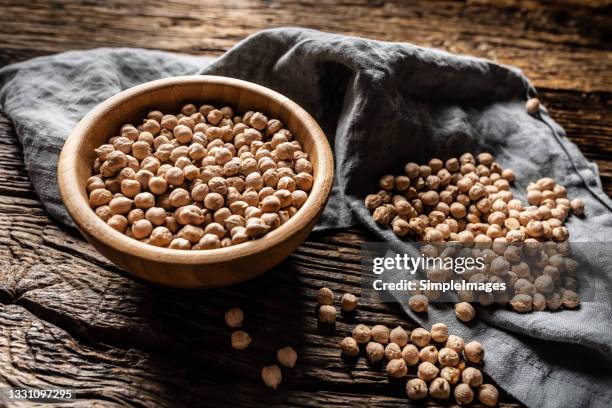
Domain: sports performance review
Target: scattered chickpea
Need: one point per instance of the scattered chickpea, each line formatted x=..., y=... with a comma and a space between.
x=464, y=311
x=439, y=388
x=474, y=352
x=287, y=356
x=234, y=317
x=380, y=334
x=410, y=354
x=362, y=334
x=349, y=302
x=471, y=376
x=439, y=332
x=375, y=351
x=272, y=376
x=469, y=200
x=349, y=347
x=463, y=394
x=240, y=340
x=416, y=389
x=429, y=353
x=455, y=343
x=399, y=336
x=488, y=395
x=396, y=368
x=418, y=303
x=327, y=314
x=325, y=296
x=420, y=337
x=427, y=371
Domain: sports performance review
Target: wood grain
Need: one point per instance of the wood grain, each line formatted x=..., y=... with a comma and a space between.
x=68, y=316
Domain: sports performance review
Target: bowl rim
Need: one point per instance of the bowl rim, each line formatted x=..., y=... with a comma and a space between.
x=88, y=222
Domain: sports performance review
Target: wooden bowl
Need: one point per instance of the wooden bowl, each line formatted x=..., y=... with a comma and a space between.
x=193, y=268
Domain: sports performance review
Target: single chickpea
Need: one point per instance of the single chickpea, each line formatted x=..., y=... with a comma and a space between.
x=144, y=200
x=448, y=357
x=396, y=368
x=104, y=212
x=410, y=354
x=398, y=336
x=418, y=303
x=522, y=303
x=429, y=353
x=474, y=352
x=416, y=389
x=118, y=222
x=464, y=311
x=349, y=302
x=327, y=314
x=439, y=388
x=451, y=374
x=208, y=241
x=100, y=197
x=287, y=356
x=380, y=334
x=427, y=371
x=439, y=332
x=420, y=337
x=180, y=243
x=135, y=215
x=160, y=236
x=362, y=334
x=488, y=395
x=120, y=205
x=348, y=345
x=375, y=352
x=142, y=229
x=455, y=343
x=271, y=375
x=325, y=296
x=463, y=394
x=393, y=351
x=471, y=376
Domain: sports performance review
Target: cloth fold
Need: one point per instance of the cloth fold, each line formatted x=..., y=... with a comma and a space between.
x=381, y=104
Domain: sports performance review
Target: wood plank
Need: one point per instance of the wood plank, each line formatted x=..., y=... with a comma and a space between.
x=524, y=34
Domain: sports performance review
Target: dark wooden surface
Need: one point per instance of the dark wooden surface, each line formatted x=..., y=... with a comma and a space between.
x=70, y=318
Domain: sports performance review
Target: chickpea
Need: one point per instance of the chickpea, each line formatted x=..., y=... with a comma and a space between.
x=420, y=337
x=375, y=352
x=439, y=332
x=488, y=395
x=118, y=222
x=427, y=371
x=349, y=346
x=142, y=229
x=380, y=334
x=393, y=351
x=455, y=343
x=416, y=389
x=464, y=311
x=349, y=302
x=429, y=353
x=362, y=334
x=474, y=352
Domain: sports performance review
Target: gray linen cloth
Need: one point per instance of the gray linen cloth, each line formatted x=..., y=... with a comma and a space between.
x=381, y=105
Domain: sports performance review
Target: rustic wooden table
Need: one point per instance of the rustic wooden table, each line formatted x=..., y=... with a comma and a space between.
x=70, y=318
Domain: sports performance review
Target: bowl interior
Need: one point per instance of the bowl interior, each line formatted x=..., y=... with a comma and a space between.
x=169, y=95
